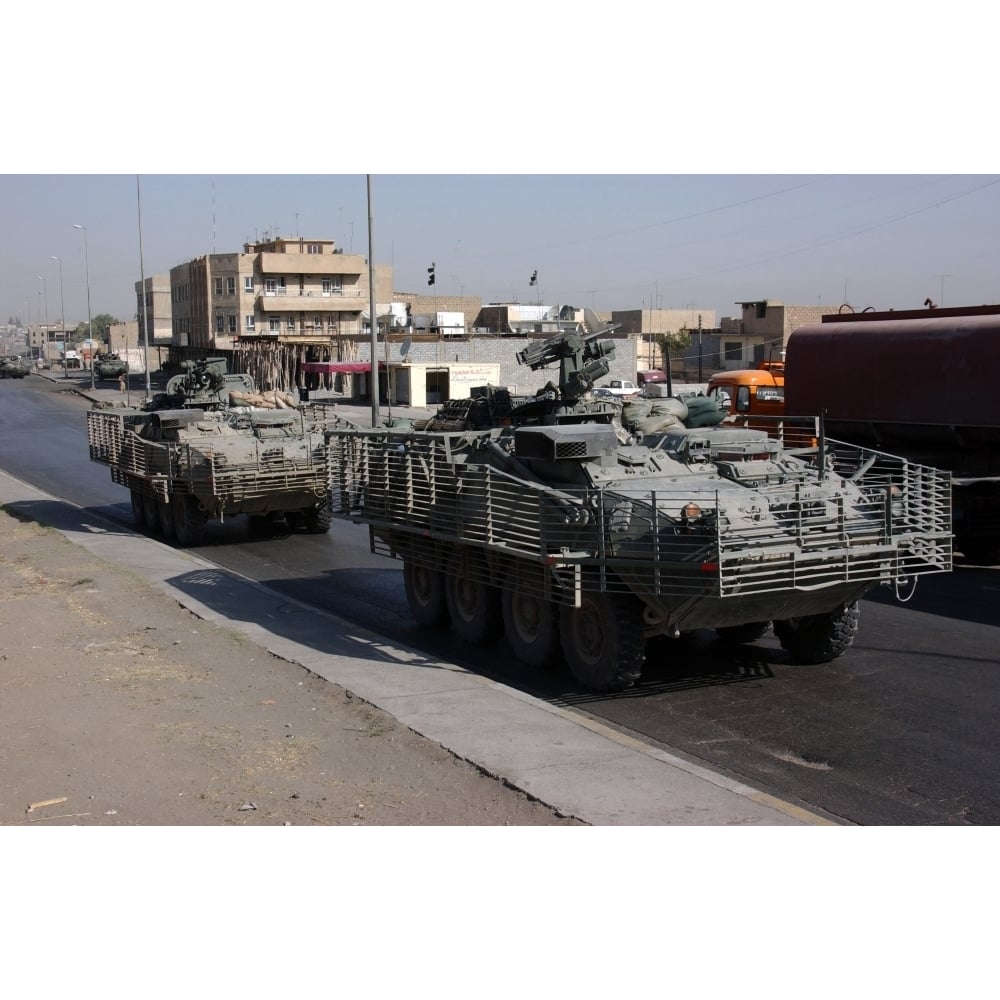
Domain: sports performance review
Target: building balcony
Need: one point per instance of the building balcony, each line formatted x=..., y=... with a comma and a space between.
x=348, y=300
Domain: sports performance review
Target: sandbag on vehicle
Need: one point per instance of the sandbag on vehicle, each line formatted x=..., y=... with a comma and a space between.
x=703, y=411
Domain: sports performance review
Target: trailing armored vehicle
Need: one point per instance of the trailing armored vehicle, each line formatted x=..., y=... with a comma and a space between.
x=12, y=366
x=109, y=366
x=579, y=529
x=211, y=446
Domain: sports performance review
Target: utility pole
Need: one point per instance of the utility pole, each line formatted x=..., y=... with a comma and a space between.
x=62, y=311
x=699, y=349
x=372, y=310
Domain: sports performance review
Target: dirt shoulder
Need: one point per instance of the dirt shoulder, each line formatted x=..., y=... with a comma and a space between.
x=118, y=707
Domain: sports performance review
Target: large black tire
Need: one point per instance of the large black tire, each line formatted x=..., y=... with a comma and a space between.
x=819, y=638
x=151, y=510
x=473, y=607
x=317, y=520
x=138, y=510
x=425, y=593
x=190, y=520
x=166, y=518
x=603, y=640
x=738, y=634
x=531, y=625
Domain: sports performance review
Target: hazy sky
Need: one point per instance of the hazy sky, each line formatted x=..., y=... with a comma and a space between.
x=605, y=241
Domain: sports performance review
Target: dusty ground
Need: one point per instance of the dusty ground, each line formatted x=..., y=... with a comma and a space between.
x=118, y=707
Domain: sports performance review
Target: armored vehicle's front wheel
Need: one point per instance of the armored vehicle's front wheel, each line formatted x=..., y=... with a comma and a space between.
x=531, y=625
x=151, y=512
x=603, y=641
x=166, y=518
x=473, y=606
x=819, y=638
x=138, y=511
x=317, y=520
x=189, y=520
x=425, y=594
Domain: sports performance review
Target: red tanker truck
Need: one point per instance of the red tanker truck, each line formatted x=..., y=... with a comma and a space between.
x=921, y=384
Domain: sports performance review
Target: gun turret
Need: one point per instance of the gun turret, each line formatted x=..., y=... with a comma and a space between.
x=582, y=358
x=204, y=384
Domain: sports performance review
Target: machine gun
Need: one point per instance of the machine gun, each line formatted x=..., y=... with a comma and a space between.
x=582, y=358
x=203, y=384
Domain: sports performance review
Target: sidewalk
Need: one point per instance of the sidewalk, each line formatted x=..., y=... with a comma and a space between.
x=142, y=684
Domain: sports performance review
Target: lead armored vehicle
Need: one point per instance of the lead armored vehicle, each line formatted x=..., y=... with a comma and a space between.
x=109, y=366
x=212, y=447
x=579, y=531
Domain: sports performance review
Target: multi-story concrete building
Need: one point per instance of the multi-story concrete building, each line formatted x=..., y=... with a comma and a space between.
x=645, y=325
x=152, y=305
x=280, y=302
x=765, y=326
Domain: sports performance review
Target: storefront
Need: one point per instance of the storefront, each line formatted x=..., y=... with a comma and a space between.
x=410, y=384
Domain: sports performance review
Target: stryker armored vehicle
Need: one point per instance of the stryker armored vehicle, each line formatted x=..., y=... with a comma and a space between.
x=109, y=366
x=212, y=447
x=12, y=366
x=579, y=531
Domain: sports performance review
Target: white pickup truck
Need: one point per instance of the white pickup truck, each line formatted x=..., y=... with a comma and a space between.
x=621, y=387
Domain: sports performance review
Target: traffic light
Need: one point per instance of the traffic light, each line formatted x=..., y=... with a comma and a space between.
x=430, y=274
x=534, y=278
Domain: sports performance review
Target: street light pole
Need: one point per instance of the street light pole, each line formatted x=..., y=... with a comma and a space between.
x=45, y=293
x=142, y=287
x=90, y=322
x=62, y=310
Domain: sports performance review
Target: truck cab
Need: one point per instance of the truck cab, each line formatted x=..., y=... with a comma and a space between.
x=750, y=392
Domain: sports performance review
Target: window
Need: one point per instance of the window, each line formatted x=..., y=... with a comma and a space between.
x=220, y=323
x=250, y=325
x=314, y=248
x=333, y=286
x=733, y=350
x=743, y=399
x=218, y=286
x=291, y=324
x=274, y=286
x=232, y=322
x=274, y=325
x=248, y=284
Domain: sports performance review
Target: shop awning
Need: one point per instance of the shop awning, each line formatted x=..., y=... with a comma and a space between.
x=338, y=367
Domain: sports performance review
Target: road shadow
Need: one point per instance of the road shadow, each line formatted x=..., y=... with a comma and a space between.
x=696, y=661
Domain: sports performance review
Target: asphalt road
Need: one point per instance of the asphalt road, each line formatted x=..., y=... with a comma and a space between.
x=899, y=731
